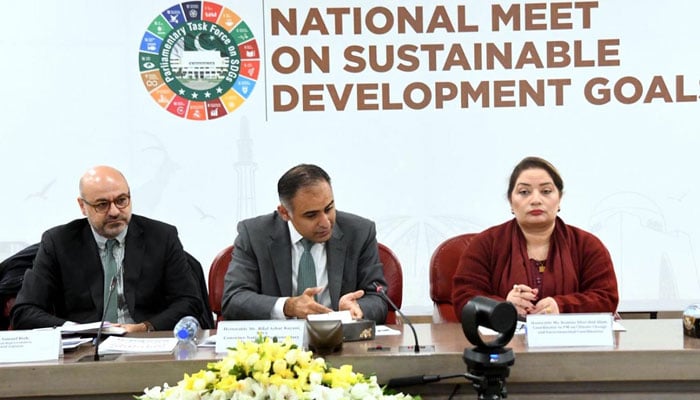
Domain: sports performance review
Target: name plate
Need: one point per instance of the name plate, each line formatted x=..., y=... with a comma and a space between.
x=228, y=333
x=30, y=346
x=570, y=330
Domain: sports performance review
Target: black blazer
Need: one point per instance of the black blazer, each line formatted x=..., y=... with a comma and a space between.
x=66, y=282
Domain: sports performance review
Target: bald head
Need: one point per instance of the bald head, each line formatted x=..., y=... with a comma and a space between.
x=105, y=200
x=101, y=176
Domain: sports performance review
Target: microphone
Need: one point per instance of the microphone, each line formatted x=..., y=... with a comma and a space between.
x=112, y=286
x=381, y=290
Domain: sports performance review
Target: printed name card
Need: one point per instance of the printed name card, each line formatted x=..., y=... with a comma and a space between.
x=30, y=346
x=570, y=330
x=228, y=333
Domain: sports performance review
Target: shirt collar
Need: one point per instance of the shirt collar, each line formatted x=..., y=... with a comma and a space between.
x=294, y=235
x=101, y=240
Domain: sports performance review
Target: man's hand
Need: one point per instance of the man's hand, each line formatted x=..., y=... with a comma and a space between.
x=133, y=327
x=304, y=304
x=349, y=302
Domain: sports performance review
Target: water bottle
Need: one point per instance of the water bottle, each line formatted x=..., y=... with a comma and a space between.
x=187, y=329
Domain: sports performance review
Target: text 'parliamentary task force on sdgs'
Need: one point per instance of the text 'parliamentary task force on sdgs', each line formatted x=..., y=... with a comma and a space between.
x=457, y=59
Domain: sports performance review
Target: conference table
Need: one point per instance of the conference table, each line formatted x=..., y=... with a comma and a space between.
x=651, y=359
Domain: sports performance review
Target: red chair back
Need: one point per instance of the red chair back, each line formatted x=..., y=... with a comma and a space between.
x=394, y=279
x=6, y=303
x=443, y=265
x=217, y=273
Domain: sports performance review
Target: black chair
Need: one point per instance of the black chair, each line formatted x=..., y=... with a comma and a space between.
x=206, y=319
x=11, y=277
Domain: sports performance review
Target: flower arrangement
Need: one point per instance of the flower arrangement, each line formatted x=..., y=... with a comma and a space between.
x=266, y=369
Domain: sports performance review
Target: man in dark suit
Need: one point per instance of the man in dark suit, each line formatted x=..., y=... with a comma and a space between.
x=264, y=279
x=137, y=261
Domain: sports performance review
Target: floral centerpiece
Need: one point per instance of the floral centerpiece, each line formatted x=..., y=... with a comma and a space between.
x=267, y=369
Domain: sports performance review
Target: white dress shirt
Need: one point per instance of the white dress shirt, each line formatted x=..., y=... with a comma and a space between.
x=318, y=253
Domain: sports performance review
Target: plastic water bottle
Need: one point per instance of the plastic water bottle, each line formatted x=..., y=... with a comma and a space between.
x=187, y=329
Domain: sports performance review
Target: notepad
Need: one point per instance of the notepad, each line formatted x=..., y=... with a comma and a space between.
x=118, y=344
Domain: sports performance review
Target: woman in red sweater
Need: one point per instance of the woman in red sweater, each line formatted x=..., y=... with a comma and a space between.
x=536, y=261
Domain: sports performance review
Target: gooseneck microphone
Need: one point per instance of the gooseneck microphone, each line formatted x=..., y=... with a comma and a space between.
x=382, y=292
x=112, y=286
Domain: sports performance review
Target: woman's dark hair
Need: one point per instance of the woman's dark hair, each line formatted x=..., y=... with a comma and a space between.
x=302, y=175
x=537, y=163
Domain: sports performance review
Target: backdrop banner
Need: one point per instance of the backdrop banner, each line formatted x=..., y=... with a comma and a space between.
x=418, y=112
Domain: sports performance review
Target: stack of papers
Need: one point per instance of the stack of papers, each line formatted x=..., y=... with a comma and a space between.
x=117, y=344
x=91, y=328
x=72, y=343
x=343, y=316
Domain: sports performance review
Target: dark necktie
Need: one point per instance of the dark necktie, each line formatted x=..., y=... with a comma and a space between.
x=306, y=277
x=110, y=272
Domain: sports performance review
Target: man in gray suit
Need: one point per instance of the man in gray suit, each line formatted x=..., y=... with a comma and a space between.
x=263, y=280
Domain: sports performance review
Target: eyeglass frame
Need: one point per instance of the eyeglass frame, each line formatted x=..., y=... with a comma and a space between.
x=109, y=203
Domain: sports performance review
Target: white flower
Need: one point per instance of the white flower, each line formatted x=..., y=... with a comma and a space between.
x=218, y=395
x=359, y=391
x=190, y=396
x=153, y=393
x=325, y=393
x=281, y=393
x=315, y=378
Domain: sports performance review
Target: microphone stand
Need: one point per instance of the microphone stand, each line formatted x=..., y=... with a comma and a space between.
x=488, y=364
x=382, y=292
x=112, y=285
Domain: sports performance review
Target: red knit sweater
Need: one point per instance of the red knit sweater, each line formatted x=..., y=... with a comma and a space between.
x=579, y=272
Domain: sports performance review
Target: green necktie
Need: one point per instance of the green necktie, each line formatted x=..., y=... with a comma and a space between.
x=306, y=277
x=110, y=271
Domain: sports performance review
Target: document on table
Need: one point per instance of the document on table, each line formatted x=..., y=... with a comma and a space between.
x=91, y=328
x=383, y=330
x=380, y=330
x=343, y=316
x=521, y=328
x=118, y=344
x=72, y=343
x=208, y=342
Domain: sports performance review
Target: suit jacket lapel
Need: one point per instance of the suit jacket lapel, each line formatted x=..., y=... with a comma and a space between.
x=281, y=256
x=335, y=264
x=134, y=253
x=92, y=264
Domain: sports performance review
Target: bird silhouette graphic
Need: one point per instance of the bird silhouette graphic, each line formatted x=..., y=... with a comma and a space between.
x=42, y=193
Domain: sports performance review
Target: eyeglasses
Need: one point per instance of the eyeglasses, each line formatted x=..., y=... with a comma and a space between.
x=103, y=206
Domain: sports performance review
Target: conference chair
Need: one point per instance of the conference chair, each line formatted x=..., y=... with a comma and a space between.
x=6, y=303
x=12, y=272
x=205, y=318
x=393, y=275
x=217, y=273
x=443, y=265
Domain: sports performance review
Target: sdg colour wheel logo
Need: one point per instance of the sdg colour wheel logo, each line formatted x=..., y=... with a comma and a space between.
x=199, y=60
